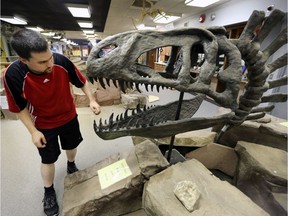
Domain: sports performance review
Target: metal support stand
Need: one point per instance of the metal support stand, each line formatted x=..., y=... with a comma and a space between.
x=176, y=156
x=221, y=132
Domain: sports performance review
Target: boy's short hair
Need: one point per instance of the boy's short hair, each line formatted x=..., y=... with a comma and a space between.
x=25, y=41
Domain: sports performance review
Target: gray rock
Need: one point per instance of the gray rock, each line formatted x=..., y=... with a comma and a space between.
x=83, y=195
x=262, y=175
x=218, y=198
x=215, y=156
x=197, y=138
x=131, y=101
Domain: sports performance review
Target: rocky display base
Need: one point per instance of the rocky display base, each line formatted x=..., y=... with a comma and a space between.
x=253, y=178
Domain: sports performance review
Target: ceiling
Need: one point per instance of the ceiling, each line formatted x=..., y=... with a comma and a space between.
x=108, y=16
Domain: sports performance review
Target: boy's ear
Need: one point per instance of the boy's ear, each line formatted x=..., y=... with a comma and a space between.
x=23, y=60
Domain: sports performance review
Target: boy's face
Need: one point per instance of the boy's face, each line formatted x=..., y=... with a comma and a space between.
x=40, y=62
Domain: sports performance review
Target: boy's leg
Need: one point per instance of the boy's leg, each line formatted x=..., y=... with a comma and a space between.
x=49, y=156
x=70, y=138
x=50, y=205
x=71, y=154
x=71, y=166
x=47, y=173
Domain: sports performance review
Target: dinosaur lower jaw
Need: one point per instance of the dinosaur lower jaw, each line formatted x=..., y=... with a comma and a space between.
x=158, y=121
x=166, y=129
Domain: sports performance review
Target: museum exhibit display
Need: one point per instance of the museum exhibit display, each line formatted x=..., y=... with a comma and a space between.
x=256, y=172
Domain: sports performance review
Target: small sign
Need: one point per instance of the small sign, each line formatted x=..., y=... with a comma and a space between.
x=113, y=173
x=3, y=102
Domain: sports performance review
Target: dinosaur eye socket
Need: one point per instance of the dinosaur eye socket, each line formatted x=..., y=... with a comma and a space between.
x=103, y=51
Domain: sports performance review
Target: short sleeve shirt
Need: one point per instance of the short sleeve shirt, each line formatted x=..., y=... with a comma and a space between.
x=48, y=97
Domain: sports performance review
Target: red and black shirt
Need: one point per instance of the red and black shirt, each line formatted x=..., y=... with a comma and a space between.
x=47, y=96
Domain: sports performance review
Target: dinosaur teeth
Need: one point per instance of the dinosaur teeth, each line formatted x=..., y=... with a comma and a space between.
x=91, y=80
x=108, y=82
x=137, y=87
x=115, y=83
x=122, y=85
x=138, y=108
x=111, y=119
x=157, y=87
x=100, y=123
x=102, y=83
x=126, y=113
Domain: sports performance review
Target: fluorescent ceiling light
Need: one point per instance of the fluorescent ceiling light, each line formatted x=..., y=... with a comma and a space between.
x=88, y=31
x=145, y=27
x=200, y=3
x=90, y=36
x=78, y=10
x=57, y=37
x=35, y=28
x=14, y=20
x=163, y=18
x=49, y=34
x=84, y=24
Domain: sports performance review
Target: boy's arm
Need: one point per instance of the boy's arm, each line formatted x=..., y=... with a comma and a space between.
x=37, y=137
x=95, y=107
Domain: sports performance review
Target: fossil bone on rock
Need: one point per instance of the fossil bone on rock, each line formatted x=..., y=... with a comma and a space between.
x=187, y=193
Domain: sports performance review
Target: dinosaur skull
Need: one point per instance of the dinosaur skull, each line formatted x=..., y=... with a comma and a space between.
x=115, y=58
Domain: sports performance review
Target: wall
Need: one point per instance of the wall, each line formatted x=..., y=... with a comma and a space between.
x=234, y=11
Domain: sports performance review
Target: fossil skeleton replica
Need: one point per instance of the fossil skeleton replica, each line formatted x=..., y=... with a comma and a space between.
x=120, y=65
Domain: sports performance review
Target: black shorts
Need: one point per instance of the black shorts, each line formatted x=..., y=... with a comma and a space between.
x=69, y=135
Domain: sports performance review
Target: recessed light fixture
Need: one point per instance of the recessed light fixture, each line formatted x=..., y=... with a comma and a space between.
x=79, y=10
x=57, y=37
x=85, y=24
x=49, y=34
x=200, y=3
x=163, y=18
x=35, y=28
x=145, y=27
x=91, y=36
x=14, y=20
x=88, y=31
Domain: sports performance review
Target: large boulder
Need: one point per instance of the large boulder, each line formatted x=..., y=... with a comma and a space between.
x=197, y=138
x=84, y=195
x=262, y=175
x=216, y=157
x=217, y=198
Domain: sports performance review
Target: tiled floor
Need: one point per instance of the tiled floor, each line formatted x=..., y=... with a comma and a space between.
x=21, y=184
